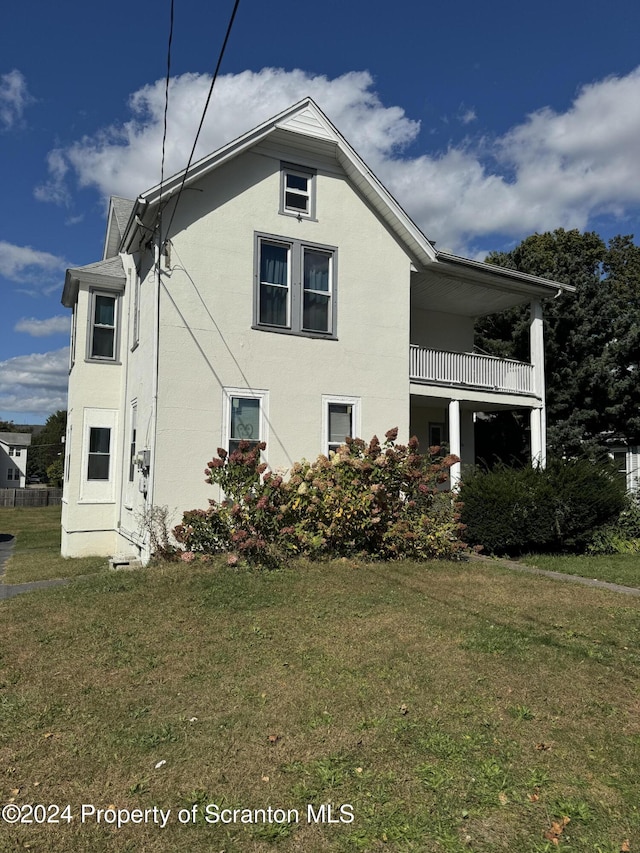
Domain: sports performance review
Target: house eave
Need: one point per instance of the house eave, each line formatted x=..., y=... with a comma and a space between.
x=74, y=277
x=500, y=277
x=291, y=123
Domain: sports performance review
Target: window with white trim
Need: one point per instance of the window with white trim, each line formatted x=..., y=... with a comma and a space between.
x=12, y=450
x=99, y=461
x=244, y=417
x=99, y=456
x=295, y=287
x=103, y=337
x=297, y=191
x=341, y=420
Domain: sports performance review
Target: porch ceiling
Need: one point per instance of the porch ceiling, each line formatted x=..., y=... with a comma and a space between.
x=475, y=290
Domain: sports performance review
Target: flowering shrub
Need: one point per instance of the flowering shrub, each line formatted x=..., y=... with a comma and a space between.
x=376, y=500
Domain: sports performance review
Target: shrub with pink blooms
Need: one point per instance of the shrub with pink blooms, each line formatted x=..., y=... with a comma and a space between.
x=375, y=500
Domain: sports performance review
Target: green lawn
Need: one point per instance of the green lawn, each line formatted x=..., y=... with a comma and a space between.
x=615, y=568
x=36, y=554
x=448, y=707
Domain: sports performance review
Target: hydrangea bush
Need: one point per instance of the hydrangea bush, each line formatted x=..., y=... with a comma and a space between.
x=379, y=500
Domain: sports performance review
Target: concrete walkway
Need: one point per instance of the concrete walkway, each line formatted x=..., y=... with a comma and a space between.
x=8, y=590
x=559, y=576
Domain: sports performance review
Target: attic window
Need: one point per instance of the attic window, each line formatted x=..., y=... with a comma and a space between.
x=297, y=193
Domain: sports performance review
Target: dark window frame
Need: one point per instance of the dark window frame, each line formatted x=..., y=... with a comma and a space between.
x=296, y=290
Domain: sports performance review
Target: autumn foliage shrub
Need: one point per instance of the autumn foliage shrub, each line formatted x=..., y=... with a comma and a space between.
x=516, y=510
x=380, y=500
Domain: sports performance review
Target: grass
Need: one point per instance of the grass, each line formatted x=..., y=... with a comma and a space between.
x=447, y=707
x=36, y=553
x=615, y=568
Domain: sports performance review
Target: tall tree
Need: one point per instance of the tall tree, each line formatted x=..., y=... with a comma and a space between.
x=592, y=337
x=47, y=446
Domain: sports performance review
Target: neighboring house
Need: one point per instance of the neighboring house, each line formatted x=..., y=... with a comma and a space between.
x=286, y=298
x=13, y=459
x=627, y=460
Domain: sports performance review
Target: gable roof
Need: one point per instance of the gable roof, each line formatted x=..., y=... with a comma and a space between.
x=117, y=219
x=22, y=439
x=315, y=133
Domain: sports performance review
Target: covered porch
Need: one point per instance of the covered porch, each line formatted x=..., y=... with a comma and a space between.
x=449, y=382
x=448, y=419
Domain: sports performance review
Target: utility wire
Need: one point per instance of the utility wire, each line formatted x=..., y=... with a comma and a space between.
x=166, y=91
x=166, y=103
x=204, y=112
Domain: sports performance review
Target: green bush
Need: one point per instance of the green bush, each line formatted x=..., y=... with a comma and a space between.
x=621, y=536
x=515, y=510
x=374, y=500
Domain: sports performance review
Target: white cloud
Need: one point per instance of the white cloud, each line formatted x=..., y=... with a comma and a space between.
x=14, y=98
x=55, y=189
x=35, y=384
x=43, y=328
x=24, y=264
x=553, y=169
x=467, y=116
x=125, y=159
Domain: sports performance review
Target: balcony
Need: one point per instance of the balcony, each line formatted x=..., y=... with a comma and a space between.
x=463, y=369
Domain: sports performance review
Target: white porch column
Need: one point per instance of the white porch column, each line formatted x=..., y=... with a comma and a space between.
x=455, y=444
x=538, y=416
x=536, y=438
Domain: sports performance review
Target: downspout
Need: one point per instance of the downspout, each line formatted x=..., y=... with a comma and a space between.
x=157, y=254
x=124, y=395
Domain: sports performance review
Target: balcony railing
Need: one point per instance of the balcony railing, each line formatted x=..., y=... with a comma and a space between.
x=471, y=370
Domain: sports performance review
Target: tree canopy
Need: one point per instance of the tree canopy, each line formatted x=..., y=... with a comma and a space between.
x=592, y=337
x=47, y=446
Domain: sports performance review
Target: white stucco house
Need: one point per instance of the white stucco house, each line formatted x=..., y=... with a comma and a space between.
x=276, y=292
x=14, y=447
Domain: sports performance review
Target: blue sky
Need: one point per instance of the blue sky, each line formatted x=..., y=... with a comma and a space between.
x=488, y=122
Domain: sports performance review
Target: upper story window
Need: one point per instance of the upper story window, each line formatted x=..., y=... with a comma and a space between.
x=103, y=338
x=295, y=287
x=74, y=332
x=297, y=191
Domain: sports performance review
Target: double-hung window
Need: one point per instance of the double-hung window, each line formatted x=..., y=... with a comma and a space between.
x=297, y=191
x=341, y=420
x=296, y=287
x=275, y=284
x=99, y=453
x=245, y=417
x=103, y=331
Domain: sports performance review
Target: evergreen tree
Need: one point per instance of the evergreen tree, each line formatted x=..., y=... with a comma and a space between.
x=592, y=337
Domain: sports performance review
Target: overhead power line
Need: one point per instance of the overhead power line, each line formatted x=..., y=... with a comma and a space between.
x=166, y=93
x=204, y=112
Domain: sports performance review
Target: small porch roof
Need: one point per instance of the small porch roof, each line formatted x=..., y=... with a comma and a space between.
x=456, y=285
